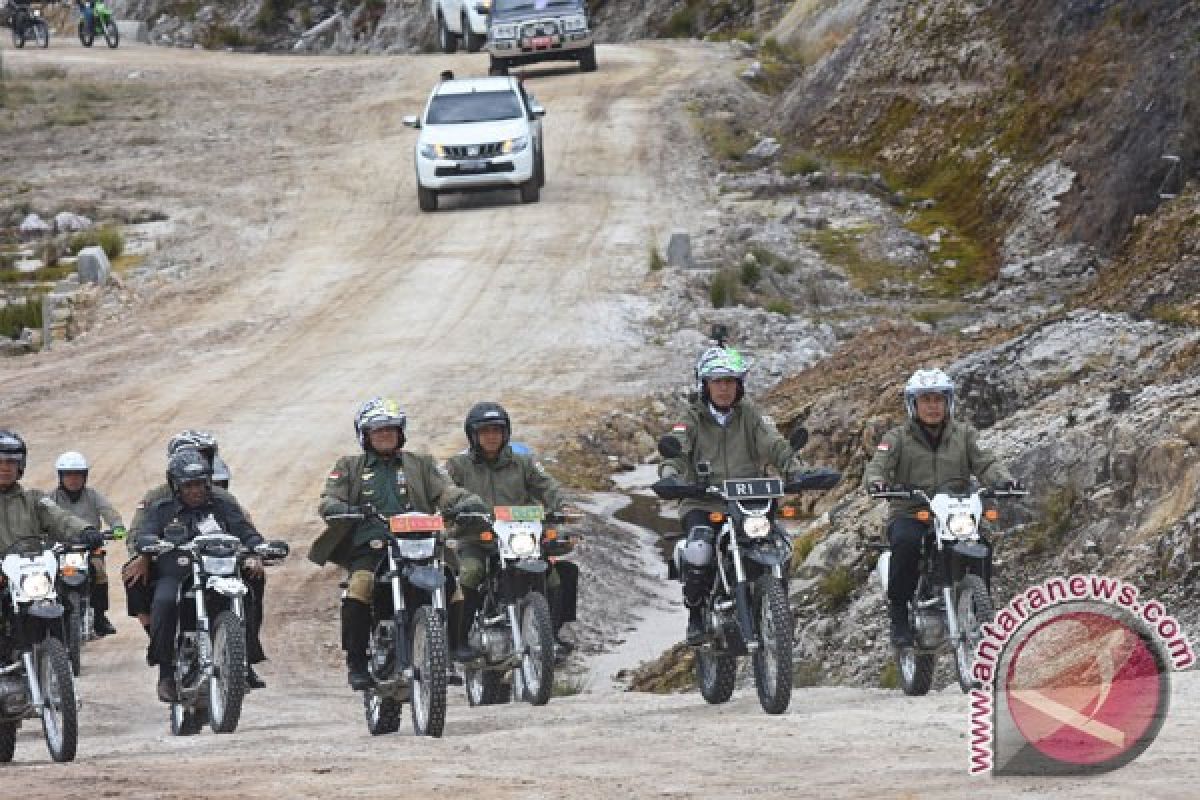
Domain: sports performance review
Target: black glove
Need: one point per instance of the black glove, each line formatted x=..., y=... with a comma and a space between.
x=469, y=506
x=91, y=538
x=1013, y=486
x=878, y=486
x=145, y=541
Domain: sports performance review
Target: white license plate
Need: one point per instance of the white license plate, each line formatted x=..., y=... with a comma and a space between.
x=473, y=166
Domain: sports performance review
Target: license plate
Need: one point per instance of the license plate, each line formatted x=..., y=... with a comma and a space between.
x=520, y=513
x=543, y=41
x=472, y=166
x=753, y=488
x=416, y=523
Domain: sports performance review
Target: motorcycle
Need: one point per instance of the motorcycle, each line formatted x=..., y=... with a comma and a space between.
x=513, y=629
x=953, y=597
x=747, y=611
x=407, y=655
x=35, y=670
x=27, y=23
x=102, y=23
x=210, y=645
x=74, y=586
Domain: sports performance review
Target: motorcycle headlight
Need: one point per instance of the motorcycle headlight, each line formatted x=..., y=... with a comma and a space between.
x=37, y=585
x=523, y=544
x=432, y=151
x=961, y=525
x=416, y=549
x=504, y=32
x=575, y=24
x=74, y=560
x=219, y=565
x=515, y=145
x=756, y=527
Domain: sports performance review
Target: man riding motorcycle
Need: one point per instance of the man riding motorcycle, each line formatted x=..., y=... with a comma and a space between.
x=737, y=441
x=491, y=469
x=931, y=449
x=29, y=512
x=192, y=501
x=383, y=480
x=139, y=579
x=75, y=496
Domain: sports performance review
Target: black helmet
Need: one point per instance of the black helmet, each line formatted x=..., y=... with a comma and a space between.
x=203, y=441
x=188, y=465
x=486, y=414
x=12, y=448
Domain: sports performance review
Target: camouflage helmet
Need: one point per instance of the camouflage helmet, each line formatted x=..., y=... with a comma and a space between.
x=188, y=465
x=376, y=413
x=928, y=381
x=203, y=441
x=721, y=362
x=12, y=448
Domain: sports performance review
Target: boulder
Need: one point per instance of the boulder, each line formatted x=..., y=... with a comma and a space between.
x=93, y=265
x=679, y=250
x=33, y=225
x=66, y=222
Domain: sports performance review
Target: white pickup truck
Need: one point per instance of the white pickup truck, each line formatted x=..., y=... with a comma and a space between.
x=462, y=22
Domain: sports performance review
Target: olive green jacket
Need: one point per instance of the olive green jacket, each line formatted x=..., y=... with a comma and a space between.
x=742, y=448
x=91, y=507
x=429, y=489
x=510, y=479
x=30, y=512
x=162, y=492
x=906, y=456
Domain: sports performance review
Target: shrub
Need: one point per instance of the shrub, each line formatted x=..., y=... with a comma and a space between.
x=656, y=259
x=836, y=587
x=780, y=305
x=569, y=685
x=15, y=316
x=107, y=237
x=889, y=676
x=722, y=291
x=751, y=273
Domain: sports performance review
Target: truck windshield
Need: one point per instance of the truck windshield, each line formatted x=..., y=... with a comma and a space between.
x=450, y=109
x=523, y=5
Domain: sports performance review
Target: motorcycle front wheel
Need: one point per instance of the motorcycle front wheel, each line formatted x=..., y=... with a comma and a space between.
x=184, y=722
x=533, y=680
x=227, y=687
x=86, y=35
x=60, y=722
x=773, y=659
x=974, y=610
x=41, y=33
x=430, y=662
x=382, y=712
x=73, y=623
x=486, y=687
x=112, y=36
x=715, y=674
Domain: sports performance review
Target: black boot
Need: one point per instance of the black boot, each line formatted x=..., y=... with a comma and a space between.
x=356, y=636
x=695, y=628
x=901, y=630
x=253, y=681
x=166, y=684
x=99, y=599
x=472, y=602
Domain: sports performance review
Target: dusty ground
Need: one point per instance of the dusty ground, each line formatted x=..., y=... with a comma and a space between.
x=294, y=176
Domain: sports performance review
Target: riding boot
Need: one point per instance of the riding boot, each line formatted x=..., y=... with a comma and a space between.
x=100, y=621
x=166, y=684
x=472, y=602
x=695, y=591
x=901, y=630
x=356, y=636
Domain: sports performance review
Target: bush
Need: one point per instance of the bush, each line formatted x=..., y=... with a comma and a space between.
x=780, y=305
x=723, y=290
x=751, y=273
x=836, y=587
x=889, y=676
x=802, y=163
x=15, y=316
x=107, y=237
x=656, y=259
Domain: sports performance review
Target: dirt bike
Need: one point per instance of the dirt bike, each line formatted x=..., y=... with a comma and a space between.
x=513, y=629
x=210, y=645
x=35, y=670
x=27, y=23
x=747, y=611
x=953, y=597
x=407, y=657
x=74, y=587
x=102, y=24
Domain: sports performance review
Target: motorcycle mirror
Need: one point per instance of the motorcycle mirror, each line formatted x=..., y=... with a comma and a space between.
x=669, y=447
x=799, y=438
x=411, y=121
x=703, y=469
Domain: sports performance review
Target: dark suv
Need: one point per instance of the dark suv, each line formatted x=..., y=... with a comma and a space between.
x=528, y=31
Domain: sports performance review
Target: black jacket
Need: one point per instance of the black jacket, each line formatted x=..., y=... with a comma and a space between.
x=228, y=515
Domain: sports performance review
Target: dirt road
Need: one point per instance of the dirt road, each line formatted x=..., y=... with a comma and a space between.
x=293, y=177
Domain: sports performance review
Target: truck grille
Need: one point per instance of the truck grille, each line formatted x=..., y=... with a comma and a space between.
x=460, y=152
x=541, y=27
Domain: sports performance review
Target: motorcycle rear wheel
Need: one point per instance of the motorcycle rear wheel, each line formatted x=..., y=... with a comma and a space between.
x=86, y=36
x=8, y=741
x=773, y=659
x=533, y=680
x=716, y=673
x=974, y=610
x=112, y=36
x=916, y=671
x=430, y=659
x=227, y=686
x=486, y=687
x=60, y=721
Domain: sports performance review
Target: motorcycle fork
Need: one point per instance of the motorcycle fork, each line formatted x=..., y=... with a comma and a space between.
x=35, y=684
x=745, y=616
x=203, y=637
x=514, y=621
x=399, y=614
x=948, y=594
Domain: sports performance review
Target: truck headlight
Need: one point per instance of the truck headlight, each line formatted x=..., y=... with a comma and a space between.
x=575, y=24
x=504, y=32
x=516, y=145
x=432, y=151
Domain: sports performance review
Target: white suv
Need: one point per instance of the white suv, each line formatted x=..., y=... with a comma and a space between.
x=461, y=21
x=479, y=134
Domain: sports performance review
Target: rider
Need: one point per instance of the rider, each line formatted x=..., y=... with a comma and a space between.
x=737, y=441
x=88, y=9
x=360, y=492
x=136, y=573
x=191, y=502
x=930, y=450
x=502, y=477
x=74, y=495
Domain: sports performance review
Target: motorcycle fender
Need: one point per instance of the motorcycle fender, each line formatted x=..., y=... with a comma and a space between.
x=535, y=566
x=768, y=557
x=427, y=578
x=45, y=609
x=971, y=550
x=75, y=580
x=230, y=587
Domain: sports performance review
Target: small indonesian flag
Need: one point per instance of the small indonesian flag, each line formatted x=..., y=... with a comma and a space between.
x=333, y=476
x=679, y=427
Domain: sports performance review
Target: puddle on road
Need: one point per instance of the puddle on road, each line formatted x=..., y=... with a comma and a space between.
x=643, y=512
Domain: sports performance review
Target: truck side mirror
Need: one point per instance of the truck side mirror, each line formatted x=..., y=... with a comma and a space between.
x=411, y=121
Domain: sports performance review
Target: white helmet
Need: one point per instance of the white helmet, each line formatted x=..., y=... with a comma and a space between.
x=927, y=381
x=71, y=462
